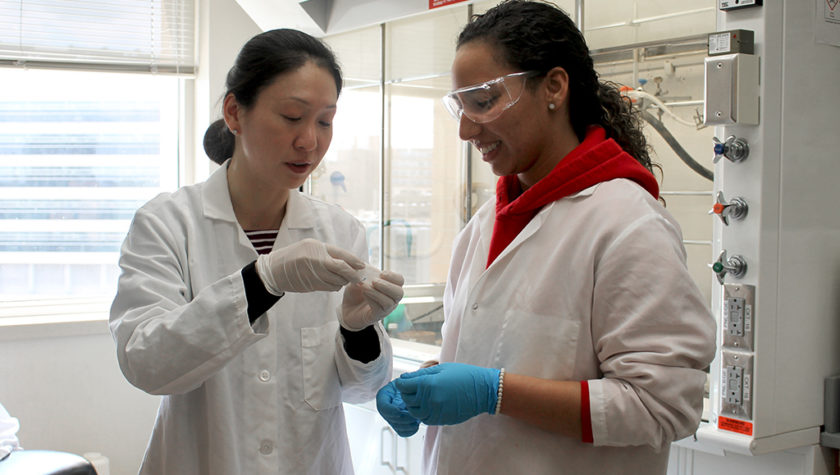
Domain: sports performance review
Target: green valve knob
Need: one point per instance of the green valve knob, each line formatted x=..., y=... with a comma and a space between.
x=717, y=267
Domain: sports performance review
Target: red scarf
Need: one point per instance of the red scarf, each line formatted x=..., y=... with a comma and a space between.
x=595, y=160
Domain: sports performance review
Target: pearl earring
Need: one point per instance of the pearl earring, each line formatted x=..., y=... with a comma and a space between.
x=551, y=106
x=234, y=132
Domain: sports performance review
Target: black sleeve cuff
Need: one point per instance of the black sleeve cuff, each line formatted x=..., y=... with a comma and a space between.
x=259, y=299
x=362, y=345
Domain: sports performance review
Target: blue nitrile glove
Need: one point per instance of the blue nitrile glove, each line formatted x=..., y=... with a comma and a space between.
x=449, y=393
x=391, y=407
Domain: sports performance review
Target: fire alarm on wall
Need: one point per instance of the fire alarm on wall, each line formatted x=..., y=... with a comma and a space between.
x=732, y=41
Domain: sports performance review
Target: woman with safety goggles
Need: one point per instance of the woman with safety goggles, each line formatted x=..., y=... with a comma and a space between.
x=575, y=340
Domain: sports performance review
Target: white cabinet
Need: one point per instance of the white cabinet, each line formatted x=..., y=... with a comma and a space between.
x=375, y=447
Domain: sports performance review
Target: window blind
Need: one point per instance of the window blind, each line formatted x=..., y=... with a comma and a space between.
x=111, y=35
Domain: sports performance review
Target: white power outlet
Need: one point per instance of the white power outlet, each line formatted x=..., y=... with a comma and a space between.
x=736, y=384
x=738, y=316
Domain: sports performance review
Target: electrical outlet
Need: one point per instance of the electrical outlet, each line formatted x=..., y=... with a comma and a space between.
x=735, y=313
x=736, y=384
x=738, y=316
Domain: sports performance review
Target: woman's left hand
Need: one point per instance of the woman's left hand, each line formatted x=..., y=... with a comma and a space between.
x=449, y=393
x=365, y=304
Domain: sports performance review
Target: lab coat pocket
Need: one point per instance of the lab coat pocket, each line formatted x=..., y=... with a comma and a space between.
x=540, y=345
x=320, y=376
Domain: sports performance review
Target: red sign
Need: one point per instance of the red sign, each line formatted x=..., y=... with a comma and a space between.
x=734, y=425
x=442, y=3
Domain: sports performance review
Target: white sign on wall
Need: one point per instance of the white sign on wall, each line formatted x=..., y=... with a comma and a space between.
x=827, y=26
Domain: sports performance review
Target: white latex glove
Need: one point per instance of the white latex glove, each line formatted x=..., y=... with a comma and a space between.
x=371, y=300
x=306, y=266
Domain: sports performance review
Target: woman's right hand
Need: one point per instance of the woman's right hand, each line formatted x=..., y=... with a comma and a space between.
x=391, y=407
x=307, y=266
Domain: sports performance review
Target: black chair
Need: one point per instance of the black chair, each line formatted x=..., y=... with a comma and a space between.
x=45, y=462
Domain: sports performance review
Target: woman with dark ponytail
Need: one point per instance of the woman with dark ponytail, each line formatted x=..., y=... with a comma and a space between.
x=247, y=305
x=575, y=340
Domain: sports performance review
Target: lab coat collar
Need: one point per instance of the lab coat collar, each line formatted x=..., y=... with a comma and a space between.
x=300, y=213
x=530, y=229
x=537, y=221
x=597, y=159
x=215, y=197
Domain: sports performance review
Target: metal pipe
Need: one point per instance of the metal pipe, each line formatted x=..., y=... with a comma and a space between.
x=686, y=193
x=418, y=78
x=684, y=103
x=467, y=151
x=466, y=147
x=382, y=160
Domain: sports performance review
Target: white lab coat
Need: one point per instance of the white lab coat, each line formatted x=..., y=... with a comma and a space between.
x=237, y=399
x=9, y=427
x=594, y=288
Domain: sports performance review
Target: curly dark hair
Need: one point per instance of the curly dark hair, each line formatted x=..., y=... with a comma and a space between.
x=537, y=36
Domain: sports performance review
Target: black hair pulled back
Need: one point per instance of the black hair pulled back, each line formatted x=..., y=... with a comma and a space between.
x=262, y=59
x=537, y=36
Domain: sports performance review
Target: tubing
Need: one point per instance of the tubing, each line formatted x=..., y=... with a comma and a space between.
x=676, y=147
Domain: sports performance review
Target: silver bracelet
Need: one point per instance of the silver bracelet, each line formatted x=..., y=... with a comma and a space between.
x=499, y=393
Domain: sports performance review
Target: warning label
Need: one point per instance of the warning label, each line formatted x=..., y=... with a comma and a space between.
x=719, y=43
x=734, y=425
x=832, y=11
x=442, y=3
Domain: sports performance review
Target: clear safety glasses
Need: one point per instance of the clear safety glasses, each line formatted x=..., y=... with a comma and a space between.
x=485, y=102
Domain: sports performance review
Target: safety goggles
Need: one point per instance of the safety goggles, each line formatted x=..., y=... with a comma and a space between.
x=485, y=102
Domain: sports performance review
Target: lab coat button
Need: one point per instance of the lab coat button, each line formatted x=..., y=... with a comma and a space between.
x=266, y=447
x=475, y=307
x=265, y=375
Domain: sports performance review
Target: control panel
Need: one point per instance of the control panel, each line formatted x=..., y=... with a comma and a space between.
x=732, y=80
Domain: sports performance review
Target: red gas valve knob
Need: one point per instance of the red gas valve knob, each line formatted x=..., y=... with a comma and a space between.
x=735, y=209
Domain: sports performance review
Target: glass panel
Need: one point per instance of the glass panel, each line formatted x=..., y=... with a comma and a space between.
x=359, y=55
x=350, y=174
x=77, y=157
x=423, y=46
x=425, y=184
x=422, y=147
x=426, y=179
x=609, y=23
x=426, y=206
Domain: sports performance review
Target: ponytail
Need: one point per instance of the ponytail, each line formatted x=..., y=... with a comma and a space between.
x=219, y=142
x=622, y=123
